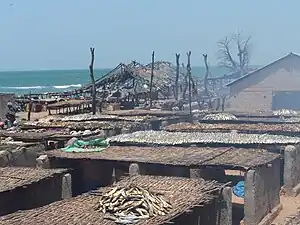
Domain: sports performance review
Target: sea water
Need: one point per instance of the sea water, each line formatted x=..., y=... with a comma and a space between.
x=23, y=82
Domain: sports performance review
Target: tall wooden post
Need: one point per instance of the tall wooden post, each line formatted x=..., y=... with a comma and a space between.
x=91, y=67
x=151, y=80
x=188, y=67
x=177, y=76
x=206, y=74
x=29, y=107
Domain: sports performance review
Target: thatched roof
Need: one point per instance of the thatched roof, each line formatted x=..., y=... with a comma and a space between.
x=135, y=78
x=16, y=177
x=183, y=193
x=176, y=156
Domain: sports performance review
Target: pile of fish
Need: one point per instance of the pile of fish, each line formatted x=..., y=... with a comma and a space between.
x=86, y=117
x=220, y=116
x=127, y=205
x=9, y=141
x=261, y=127
x=90, y=125
x=180, y=138
x=285, y=112
x=292, y=120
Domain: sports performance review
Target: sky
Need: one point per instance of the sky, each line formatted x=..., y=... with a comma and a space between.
x=57, y=34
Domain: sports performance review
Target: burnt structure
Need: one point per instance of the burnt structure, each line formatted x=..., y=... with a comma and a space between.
x=131, y=82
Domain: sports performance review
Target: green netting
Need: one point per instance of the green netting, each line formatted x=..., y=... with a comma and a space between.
x=96, y=145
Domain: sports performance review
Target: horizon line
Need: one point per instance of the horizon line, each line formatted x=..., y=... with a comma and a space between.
x=37, y=70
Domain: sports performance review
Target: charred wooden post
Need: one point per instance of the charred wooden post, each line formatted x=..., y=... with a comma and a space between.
x=91, y=67
x=185, y=87
x=29, y=107
x=151, y=79
x=223, y=103
x=189, y=74
x=177, y=76
x=206, y=74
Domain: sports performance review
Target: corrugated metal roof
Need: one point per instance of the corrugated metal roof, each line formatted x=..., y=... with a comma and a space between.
x=264, y=67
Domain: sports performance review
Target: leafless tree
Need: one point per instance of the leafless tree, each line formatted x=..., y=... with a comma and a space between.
x=231, y=45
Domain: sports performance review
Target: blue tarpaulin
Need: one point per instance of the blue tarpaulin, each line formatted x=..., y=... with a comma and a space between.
x=239, y=189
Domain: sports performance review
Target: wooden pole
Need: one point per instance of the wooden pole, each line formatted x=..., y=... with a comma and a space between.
x=177, y=76
x=91, y=67
x=29, y=107
x=206, y=74
x=188, y=66
x=151, y=80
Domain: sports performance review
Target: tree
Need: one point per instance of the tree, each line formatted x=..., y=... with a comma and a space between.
x=91, y=67
x=227, y=58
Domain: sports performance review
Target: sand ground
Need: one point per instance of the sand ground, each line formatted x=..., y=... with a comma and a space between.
x=290, y=207
x=33, y=115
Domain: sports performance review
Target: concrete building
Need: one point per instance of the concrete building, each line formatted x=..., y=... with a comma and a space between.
x=272, y=87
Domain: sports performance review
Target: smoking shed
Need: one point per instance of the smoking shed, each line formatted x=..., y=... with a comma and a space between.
x=262, y=169
x=27, y=188
x=194, y=201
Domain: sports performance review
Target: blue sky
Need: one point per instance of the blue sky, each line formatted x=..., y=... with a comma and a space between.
x=57, y=34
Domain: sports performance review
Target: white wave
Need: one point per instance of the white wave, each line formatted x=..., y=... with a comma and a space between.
x=67, y=86
x=42, y=87
x=24, y=88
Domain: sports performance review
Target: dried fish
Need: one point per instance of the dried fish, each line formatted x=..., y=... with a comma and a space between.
x=220, y=116
x=179, y=138
x=194, y=127
x=89, y=125
x=285, y=112
x=128, y=205
x=90, y=117
x=292, y=120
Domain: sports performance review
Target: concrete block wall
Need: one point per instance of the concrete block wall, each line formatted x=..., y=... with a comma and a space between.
x=262, y=187
x=291, y=174
x=23, y=156
x=4, y=99
x=37, y=194
x=86, y=174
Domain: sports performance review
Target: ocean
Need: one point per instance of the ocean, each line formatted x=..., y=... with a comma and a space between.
x=23, y=82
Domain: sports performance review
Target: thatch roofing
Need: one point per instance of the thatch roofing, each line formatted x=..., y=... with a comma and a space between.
x=28, y=136
x=68, y=103
x=135, y=78
x=176, y=156
x=183, y=193
x=15, y=177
